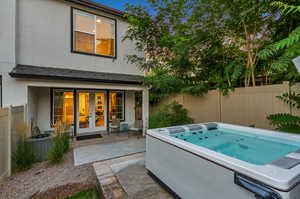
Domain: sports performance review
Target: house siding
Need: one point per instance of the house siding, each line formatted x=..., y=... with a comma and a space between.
x=38, y=33
x=44, y=39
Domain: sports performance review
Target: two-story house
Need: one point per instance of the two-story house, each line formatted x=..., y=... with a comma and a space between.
x=67, y=60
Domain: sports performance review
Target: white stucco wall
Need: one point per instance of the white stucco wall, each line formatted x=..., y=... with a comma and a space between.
x=130, y=107
x=11, y=90
x=32, y=105
x=43, y=109
x=38, y=32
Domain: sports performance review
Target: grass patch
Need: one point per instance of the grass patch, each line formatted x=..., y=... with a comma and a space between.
x=87, y=194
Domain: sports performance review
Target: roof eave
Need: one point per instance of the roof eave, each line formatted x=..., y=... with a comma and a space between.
x=44, y=77
x=100, y=7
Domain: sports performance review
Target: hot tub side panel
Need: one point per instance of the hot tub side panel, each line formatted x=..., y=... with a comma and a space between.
x=188, y=175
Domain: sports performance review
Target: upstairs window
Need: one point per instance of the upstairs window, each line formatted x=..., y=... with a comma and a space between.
x=93, y=34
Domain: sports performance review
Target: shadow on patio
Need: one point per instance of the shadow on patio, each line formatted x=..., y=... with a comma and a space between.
x=106, y=148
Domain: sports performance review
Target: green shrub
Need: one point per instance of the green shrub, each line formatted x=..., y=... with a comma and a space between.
x=56, y=154
x=66, y=141
x=23, y=157
x=170, y=115
x=61, y=143
x=287, y=122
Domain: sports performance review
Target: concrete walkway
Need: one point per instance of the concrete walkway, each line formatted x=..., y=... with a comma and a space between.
x=106, y=151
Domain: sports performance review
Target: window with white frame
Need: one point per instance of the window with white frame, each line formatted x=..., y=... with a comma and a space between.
x=93, y=34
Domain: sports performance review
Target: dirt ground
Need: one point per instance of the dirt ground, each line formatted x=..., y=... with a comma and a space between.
x=49, y=181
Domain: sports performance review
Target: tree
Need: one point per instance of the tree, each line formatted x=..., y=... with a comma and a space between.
x=199, y=45
x=279, y=55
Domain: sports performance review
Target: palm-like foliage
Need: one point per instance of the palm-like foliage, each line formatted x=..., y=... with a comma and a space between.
x=285, y=8
x=289, y=43
x=285, y=121
x=279, y=54
x=292, y=99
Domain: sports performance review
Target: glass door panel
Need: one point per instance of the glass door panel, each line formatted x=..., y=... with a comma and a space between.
x=84, y=110
x=91, y=111
x=99, y=109
x=63, y=107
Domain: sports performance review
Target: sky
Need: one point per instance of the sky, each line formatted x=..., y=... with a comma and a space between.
x=120, y=4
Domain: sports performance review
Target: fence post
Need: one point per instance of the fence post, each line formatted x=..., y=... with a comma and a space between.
x=9, y=119
x=220, y=105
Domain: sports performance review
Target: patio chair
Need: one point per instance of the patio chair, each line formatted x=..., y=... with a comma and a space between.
x=137, y=127
x=114, y=126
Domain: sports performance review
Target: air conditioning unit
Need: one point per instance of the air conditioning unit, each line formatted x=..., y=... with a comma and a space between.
x=297, y=63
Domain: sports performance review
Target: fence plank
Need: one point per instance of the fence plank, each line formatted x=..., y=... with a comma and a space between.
x=251, y=106
x=244, y=106
x=205, y=108
x=10, y=119
x=16, y=120
x=4, y=148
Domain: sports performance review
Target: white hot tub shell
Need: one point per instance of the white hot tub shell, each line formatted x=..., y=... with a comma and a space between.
x=195, y=172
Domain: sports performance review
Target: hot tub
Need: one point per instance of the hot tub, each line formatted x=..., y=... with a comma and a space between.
x=224, y=161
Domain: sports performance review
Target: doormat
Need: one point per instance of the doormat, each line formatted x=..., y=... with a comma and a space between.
x=87, y=137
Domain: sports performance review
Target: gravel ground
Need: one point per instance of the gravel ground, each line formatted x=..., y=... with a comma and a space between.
x=49, y=181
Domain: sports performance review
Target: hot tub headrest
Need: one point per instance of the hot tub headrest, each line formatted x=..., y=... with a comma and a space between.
x=194, y=127
x=178, y=129
x=211, y=126
x=286, y=163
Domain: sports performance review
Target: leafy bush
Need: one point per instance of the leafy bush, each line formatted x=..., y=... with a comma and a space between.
x=61, y=143
x=66, y=141
x=170, y=115
x=56, y=154
x=23, y=158
x=163, y=84
x=284, y=121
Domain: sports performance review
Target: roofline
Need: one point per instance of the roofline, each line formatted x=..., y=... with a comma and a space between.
x=16, y=74
x=54, y=77
x=100, y=7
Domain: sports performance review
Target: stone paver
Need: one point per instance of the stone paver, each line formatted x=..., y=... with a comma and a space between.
x=138, y=184
x=126, y=177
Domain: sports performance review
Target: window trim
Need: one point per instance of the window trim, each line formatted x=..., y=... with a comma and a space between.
x=52, y=91
x=73, y=30
x=1, y=92
x=123, y=104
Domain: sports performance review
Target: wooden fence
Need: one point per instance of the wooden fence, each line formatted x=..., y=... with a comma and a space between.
x=10, y=119
x=5, y=151
x=244, y=106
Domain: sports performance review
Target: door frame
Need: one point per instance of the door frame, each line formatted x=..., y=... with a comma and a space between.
x=75, y=91
x=92, y=128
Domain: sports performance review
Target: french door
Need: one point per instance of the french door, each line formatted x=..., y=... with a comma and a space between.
x=91, y=111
